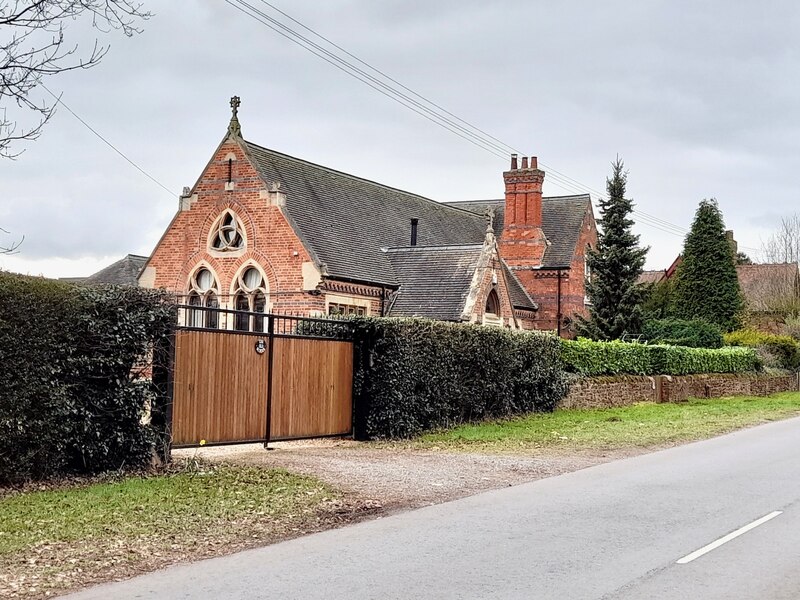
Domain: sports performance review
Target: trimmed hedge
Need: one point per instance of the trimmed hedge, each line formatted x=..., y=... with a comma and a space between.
x=69, y=402
x=681, y=332
x=414, y=375
x=620, y=358
x=783, y=350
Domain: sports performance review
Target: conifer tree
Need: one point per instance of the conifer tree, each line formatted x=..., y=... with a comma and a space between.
x=615, y=266
x=706, y=284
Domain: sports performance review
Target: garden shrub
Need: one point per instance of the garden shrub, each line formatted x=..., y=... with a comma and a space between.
x=621, y=358
x=69, y=402
x=413, y=375
x=681, y=332
x=783, y=349
x=791, y=327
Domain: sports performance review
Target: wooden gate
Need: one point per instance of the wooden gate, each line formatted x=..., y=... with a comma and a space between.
x=292, y=381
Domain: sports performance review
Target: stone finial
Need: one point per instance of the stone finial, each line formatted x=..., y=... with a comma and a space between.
x=234, y=128
x=489, y=225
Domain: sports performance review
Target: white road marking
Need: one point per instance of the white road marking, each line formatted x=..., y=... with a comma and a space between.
x=724, y=540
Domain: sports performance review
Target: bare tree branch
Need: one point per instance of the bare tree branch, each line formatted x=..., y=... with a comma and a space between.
x=12, y=248
x=783, y=246
x=33, y=46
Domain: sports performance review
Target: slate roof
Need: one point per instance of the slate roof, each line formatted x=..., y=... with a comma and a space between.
x=562, y=217
x=345, y=220
x=123, y=272
x=519, y=297
x=347, y=223
x=435, y=281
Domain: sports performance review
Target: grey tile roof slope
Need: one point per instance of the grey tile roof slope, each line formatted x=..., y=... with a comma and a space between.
x=434, y=281
x=346, y=220
x=562, y=217
x=123, y=272
x=519, y=297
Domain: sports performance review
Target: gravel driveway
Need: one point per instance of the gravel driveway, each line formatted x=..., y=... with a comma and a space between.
x=398, y=478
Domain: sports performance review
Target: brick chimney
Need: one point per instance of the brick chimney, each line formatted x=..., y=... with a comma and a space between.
x=732, y=241
x=522, y=241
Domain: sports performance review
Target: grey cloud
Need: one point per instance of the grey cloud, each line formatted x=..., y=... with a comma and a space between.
x=700, y=101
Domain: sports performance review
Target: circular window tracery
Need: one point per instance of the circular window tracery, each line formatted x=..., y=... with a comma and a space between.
x=228, y=233
x=203, y=293
x=250, y=295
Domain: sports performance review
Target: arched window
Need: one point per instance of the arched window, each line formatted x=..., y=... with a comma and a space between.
x=203, y=292
x=250, y=295
x=227, y=235
x=492, y=304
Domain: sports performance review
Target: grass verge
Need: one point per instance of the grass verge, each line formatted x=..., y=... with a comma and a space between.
x=637, y=426
x=58, y=539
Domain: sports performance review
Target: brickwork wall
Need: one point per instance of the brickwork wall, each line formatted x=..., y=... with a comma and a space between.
x=271, y=243
x=604, y=392
x=375, y=297
x=543, y=285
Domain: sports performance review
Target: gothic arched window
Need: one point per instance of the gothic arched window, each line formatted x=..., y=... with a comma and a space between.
x=250, y=295
x=492, y=304
x=203, y=292
x=227, y=234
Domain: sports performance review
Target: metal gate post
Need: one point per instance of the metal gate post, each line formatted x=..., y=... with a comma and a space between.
x=271, y=347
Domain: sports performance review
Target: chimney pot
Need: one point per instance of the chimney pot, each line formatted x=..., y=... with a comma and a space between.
x=513, y=162
x=534, y=162
x=524, y=162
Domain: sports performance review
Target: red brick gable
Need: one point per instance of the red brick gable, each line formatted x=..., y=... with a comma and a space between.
x=271, y=242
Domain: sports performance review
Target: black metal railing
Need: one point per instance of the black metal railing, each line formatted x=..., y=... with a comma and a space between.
x=258, y=323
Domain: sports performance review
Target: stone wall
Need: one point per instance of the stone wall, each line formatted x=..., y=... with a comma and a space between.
x=604, y=392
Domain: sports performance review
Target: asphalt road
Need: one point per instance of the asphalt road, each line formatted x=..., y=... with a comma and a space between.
x=614, y=531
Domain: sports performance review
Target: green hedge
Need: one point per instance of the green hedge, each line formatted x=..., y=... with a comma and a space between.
x=681, y=332
x=68, y=400
x=620, y=358
x=783, y=350
x=413, y=375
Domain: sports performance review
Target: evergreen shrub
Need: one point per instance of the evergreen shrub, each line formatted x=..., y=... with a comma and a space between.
x=782, y=351
x=414, y=375
x=706, y=284
x=590, y=358
x=681, y=332
x=69, y=402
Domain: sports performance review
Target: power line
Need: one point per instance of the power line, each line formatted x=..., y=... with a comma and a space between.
x=107, y=143
x=562, y=180
x=389, y=78
x=344, y=66
x=457, y=125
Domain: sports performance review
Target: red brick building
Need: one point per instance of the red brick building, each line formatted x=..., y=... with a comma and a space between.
x=263, y=231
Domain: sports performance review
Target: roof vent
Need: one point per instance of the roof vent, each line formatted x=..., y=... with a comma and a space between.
x=414, y=223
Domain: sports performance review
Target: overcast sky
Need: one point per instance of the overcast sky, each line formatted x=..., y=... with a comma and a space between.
x=699, y=100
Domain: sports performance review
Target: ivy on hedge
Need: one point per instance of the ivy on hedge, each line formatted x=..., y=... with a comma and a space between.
x=69, y=402
x=621, y=358
x=413, y=375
